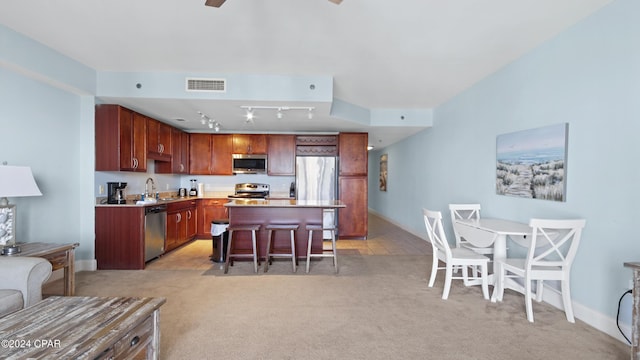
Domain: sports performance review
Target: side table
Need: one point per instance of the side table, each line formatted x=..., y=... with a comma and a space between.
x=635, y=321
x=59, y=255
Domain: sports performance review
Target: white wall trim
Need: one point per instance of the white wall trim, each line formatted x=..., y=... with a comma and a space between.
x=552, y=296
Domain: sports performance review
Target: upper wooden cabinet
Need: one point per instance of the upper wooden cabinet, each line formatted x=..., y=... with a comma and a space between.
x=221, y=162
x=179, y=162
x=352, y=150
x=210, y=154
x=158, y=140
x=317, y=145
x=121, y=139
x=281, y=158
x=249, y=144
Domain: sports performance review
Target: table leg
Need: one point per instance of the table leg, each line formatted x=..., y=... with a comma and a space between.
x=499, y=254
x=69, y=274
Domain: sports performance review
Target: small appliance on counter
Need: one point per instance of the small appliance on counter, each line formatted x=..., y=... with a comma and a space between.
x=182, y=192
x=292, y=190
x=251, y=191
x=194, y=189
x=115, y=192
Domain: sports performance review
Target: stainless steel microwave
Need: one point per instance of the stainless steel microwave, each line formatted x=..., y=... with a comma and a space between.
x=249, y=163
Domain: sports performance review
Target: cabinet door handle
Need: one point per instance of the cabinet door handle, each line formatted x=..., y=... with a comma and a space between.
x=135, y=163
x=179, y=217
x=181, y=167
x=135, y=341
x=189, y=214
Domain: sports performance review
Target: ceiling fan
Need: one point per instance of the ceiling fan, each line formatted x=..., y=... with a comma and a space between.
x=218, y=3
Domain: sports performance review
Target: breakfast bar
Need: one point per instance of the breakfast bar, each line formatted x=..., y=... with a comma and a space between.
x=265, y=212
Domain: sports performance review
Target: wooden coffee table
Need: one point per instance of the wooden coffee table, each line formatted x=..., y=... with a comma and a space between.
x=59, y=255
x=62, y=327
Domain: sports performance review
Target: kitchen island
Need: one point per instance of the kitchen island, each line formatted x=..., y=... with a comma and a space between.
x=264, y=212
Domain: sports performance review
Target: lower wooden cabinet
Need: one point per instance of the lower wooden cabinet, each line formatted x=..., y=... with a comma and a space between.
x=353, y=220
x=209, y=210
x=181, y=223
x=119, y=239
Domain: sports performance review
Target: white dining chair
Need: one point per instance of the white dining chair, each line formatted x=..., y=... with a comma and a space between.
x=552, y=248
x=453, y=257
x=466, y=212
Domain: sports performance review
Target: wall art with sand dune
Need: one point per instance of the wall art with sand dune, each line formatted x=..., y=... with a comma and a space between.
x=533, y=163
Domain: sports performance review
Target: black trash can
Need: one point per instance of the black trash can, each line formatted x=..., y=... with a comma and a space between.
x=219, y=242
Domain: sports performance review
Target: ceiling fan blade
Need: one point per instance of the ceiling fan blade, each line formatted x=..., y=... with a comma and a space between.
x=216, y=3
x=337, y=2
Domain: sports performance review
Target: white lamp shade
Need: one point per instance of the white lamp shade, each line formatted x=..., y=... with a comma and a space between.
x=17, y=181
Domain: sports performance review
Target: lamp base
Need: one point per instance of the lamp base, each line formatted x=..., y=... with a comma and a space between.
x=11, y=250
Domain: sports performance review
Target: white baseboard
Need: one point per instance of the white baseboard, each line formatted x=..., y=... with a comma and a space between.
x=595, y=319
x=551, y=296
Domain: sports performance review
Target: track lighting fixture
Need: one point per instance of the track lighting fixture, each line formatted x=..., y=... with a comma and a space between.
x=212, y=124
x=280, y=110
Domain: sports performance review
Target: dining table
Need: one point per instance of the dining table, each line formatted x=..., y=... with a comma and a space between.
x=487, y=232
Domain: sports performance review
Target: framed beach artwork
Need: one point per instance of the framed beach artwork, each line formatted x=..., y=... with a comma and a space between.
x=532, y=163
x=383, y=172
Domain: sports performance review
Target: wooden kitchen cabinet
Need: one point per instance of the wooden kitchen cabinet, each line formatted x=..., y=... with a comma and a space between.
x=249, y=144
x=181, y=223
x=281, y=158
x=119, y=237
x=158, y=140
x=354, y=219
x=179, y=162
x=352, y=150
x=210, y=154
x=221, y=159
x=317, y=145
x=121, y=139
x=209, y=210
x=200, y=154
x=353, y=185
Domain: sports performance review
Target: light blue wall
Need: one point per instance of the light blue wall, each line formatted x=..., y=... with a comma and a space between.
x=45, y=131
x=589, y=76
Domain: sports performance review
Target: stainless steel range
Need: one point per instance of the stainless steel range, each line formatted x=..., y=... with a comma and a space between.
x=251, y=191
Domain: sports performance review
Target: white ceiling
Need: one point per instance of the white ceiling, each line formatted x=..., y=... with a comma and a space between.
x=382, y=54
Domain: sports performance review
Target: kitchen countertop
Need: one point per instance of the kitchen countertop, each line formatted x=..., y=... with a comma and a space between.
x=285, y=203
x=212, y=195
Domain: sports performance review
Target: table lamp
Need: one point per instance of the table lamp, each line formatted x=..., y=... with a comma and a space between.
x=15, y=181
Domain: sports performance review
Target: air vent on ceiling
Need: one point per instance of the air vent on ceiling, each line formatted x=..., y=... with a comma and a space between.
x=207, y=85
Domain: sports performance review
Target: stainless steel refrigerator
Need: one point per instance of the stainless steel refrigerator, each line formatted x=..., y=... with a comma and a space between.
x=317, y=179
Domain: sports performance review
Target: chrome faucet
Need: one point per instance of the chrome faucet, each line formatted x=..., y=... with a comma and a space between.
x=146, y=188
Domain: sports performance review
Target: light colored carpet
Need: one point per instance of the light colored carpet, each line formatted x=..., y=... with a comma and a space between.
x=377, y=307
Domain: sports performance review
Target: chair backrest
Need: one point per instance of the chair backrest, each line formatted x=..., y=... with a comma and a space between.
x=556, y=242
x=435, y=232
x=464, y=212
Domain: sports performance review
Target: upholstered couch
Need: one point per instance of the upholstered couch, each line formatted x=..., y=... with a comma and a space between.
x=21, y=280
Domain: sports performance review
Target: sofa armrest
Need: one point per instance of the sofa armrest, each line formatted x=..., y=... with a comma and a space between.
x=26, y=274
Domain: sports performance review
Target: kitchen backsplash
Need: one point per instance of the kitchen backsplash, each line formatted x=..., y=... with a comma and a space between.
x=279, y=185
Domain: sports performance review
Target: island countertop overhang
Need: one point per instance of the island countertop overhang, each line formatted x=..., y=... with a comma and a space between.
x=325, y=204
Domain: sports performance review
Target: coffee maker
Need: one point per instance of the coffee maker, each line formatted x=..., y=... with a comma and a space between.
x=194, y=190
x=115, y=192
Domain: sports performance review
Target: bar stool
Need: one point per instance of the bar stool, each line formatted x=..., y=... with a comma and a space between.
x=248, y=227
x=292, y=228
x=333, y=252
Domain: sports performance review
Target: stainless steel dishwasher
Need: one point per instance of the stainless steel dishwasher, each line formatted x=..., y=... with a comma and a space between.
x=155, y=229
